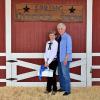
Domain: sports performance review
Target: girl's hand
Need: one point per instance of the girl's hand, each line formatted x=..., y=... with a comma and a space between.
x=46, y=64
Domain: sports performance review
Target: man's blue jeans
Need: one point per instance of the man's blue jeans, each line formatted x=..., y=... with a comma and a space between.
x=64, y=76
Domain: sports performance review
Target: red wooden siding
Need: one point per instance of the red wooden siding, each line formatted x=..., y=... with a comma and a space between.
x=31, y=36
x=96, y=39
x=2, y=84
x=2, y=41
x=2, y=26
x=96, y=83
x=96, y=25
x=2, y=60
x=2, y=73
x=96, y=60
x=96, y=72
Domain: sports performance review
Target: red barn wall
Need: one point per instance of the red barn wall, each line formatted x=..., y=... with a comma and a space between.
x=2, y=41
x=96, y=39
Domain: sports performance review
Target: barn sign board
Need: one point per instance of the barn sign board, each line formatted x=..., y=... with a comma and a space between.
x=48, y=12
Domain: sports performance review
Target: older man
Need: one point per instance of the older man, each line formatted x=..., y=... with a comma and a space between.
x=64, y=58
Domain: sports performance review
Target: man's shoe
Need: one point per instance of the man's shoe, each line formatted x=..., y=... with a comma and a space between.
x=66, y=93
x=60, y=90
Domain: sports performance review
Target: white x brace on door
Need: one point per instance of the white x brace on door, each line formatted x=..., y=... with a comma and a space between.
x=13, y=78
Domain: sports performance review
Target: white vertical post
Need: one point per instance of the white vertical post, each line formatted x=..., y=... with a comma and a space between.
x=89, y=41
x=8, y=38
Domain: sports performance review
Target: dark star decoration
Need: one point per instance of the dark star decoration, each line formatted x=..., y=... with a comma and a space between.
x=26, y=9
x=72, y=9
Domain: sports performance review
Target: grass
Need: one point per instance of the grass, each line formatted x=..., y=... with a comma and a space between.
x=37, y=93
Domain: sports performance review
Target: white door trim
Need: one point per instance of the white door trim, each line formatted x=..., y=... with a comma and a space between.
x=89, y=42
x=8, y=38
